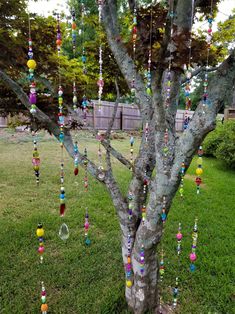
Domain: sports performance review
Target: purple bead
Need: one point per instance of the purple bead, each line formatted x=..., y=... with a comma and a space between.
x=32, y=98
x=141, y=253
x=58, y=35
x=128, y=267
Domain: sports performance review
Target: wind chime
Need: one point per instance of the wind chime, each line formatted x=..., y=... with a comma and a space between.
x=31, y=63
x=64, y=231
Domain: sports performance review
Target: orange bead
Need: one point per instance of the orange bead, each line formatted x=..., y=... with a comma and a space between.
x=58, y=42
x=128, y=260
x=44, y=307
x=74, y=26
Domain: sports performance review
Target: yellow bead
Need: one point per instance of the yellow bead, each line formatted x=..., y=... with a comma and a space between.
x=31, y=64
x=199, y=171
x=40, y=232
x=129, y=283
x=36, y=168
x=199, y=161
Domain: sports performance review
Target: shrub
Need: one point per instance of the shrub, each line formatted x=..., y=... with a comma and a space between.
x=221, y=143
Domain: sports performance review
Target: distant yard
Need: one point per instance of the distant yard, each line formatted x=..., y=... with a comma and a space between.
x=83, y=279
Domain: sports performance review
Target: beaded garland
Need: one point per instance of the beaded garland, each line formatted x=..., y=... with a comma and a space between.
x=165, y=149
x=163, y=214
x=187, y=89
x=192, y=255
x=199, y=170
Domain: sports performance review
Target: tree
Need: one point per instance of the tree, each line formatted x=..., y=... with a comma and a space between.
x=142, y=295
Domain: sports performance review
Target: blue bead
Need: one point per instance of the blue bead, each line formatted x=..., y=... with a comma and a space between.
x=87, y=241
x=61, y=136
x=62, y=196
x=192, y=268
x=163, y=215
x=83, y=58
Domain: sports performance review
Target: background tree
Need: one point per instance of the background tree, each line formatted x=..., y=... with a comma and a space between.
x=164, y=182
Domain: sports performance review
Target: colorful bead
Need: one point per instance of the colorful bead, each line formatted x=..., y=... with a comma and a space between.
x=142, y=260
x=75, y=156
x=179, y=237
x=175, y=293
x=163, y=214
x=64, y=232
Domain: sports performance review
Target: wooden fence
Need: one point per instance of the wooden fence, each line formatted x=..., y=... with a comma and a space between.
x=127, y=117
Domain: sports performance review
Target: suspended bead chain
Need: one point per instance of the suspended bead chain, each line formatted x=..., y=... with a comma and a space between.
x=36, y=160
x=31, y=64
x=130, y=205
x=131, y=149
x=192, y=255
x=40, y=234
x=208, y=39
x=44, y=306
x=165, y=149
x=179, y=237
x=100, y=81
x=128, y=267
x=134, y=38
x=146, y=130
x=86, y=228
x=85, y=162
x=161, y=272
x=199, y=170
x=163, y=214
x=187, y=89
x=175, y=293
x=182, y=173
x=74, y=26
x=75, y=150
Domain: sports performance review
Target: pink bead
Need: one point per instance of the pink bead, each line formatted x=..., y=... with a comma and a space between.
x=41, y=249
x=209, y=30
x=100, y=83
x=179, y=236
x=192, y=257
x=86, y=225
x=44, y=293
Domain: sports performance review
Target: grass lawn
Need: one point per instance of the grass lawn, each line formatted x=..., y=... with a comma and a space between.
x=82, y=279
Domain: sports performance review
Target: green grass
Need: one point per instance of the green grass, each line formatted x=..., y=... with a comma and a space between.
x=82, y=279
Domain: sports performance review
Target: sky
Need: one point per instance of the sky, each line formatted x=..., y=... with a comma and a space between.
x=45, y=8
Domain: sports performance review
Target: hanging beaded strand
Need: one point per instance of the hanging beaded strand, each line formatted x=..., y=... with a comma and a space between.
x=188, y=74
x=165, y=150
x=134, y=38
x=182, y=173
x=84, y=69
x=61, y=123
x=148, y=85
x=85, y=163
x=31, y=63
x=199, y=170
x=73, y=32
x=44, y=306
x=179, y=237
x=100, y=81
x=131, y=149
x=128, y=264
x=208, y=39
x=168, y=75
x=75, y=156
x=192, y=255
x=86, y=228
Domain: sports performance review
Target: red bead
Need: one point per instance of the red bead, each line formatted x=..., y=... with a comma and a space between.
x=62, y=209
x=198, y=181
x=76, y=171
